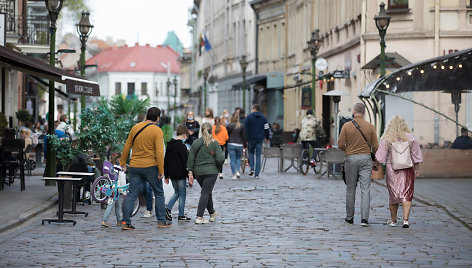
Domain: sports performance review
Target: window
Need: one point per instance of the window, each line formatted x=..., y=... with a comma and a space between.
x=130, y=89
x=393, y=4
x=144, y=89
x=118, y=88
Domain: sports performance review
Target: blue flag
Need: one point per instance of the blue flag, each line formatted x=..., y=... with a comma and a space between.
x=207, y=43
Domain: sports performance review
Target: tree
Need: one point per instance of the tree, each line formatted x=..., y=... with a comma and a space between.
x=74, y=8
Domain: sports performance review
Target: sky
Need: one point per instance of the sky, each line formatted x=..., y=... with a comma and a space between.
x=146, y=21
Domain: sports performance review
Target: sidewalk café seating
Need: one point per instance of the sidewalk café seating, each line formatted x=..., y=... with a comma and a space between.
x=291, y=152
x=272, y=152
x=12, y=159
x=332, y=156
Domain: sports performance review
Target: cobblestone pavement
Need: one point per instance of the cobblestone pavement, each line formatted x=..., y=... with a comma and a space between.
x=280, y=220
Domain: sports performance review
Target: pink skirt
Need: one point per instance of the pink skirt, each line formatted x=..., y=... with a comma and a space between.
x=400, y=184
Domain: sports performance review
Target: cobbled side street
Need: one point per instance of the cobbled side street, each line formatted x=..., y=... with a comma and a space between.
x=280, y=220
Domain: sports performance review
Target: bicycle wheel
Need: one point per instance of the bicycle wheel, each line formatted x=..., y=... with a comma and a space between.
x=304, y=161
x=98, y=196
x=318, y=164
x=137, y=204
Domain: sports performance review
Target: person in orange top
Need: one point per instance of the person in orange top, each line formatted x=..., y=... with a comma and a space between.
x=220, y=134
x=147, y=164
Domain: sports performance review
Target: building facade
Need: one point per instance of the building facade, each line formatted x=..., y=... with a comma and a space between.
x=418, y=30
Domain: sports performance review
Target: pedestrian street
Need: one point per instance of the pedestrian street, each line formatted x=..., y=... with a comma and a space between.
x=279, y=220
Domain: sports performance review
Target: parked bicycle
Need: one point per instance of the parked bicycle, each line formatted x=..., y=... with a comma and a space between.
x=105, y=189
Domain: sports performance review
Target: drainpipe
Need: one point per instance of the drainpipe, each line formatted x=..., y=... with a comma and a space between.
x=437, y=50
x=256, y=60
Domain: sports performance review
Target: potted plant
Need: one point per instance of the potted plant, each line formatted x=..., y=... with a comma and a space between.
x=24, y=116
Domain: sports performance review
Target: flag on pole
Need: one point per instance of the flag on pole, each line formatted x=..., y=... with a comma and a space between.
x=207, y=43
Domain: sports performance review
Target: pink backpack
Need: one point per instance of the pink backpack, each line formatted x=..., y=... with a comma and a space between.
x=400, y=155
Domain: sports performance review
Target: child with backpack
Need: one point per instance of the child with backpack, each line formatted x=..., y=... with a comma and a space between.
x=112, y=168
x=175, y=169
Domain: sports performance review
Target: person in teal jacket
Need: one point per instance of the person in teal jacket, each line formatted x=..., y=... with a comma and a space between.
x=205, y=161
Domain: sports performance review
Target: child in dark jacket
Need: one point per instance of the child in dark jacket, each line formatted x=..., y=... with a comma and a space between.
x=175, y=169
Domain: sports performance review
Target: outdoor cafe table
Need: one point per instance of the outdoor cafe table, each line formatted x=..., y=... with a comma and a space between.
x=60, y=213
x=78, y=175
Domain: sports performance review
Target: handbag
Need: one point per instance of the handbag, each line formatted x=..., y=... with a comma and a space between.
x=400, y=155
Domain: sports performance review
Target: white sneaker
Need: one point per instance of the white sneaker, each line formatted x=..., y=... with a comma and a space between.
x=234, y=177
x=147, y=214
x=201, y=220
x=238, y=175
x=220, y=176
x=391, y=223
x=406, y=224
x=213, y=216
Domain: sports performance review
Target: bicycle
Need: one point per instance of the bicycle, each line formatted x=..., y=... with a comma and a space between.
x=305, y=161
x=107, y=190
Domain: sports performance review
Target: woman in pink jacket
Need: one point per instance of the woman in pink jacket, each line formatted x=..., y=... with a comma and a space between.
x=401, y=182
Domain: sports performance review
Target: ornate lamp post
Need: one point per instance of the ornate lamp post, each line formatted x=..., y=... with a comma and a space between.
x=382, y=20
x=205, y=77
x=84, y=29
x=244, y=64
x=175, y=98
x=54, y=7
x=314, y=45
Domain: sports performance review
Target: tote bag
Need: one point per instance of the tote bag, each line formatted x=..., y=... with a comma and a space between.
x=400, y=155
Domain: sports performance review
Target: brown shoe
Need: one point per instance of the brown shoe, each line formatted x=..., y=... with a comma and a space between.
x=105, y=224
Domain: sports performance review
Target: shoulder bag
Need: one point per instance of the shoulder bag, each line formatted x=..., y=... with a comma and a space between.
x=140, y=132
x=372, y=155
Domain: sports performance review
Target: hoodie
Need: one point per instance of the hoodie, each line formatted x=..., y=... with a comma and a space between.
x=175, y=160
x=256, y=127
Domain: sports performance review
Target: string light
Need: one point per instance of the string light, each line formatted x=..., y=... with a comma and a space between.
x=442, y=67
x=434, y=67
x=450, y=67
x=409, y=73
x=460, y=65
x=422, y=71
x=398, y=78
x=387, y=86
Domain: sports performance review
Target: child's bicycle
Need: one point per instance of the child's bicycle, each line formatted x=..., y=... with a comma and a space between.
x=107, y=190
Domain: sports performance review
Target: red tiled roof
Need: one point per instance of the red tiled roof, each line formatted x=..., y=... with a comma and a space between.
x=136, y=59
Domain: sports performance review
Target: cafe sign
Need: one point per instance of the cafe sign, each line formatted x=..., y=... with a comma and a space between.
x=82, y=87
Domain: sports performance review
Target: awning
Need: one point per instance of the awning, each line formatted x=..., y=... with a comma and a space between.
x=45, y=84
x=448, y=73
x=74, y=84
x=393, y=60
x=253, y=79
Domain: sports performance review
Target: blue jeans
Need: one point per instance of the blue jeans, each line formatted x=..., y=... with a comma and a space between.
x=117, y=205
x=180, y=192
x=255, y=147
x=137, y=179
x=148, y=193
x=235, y=153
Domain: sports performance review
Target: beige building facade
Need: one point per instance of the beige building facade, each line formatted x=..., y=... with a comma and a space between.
x=418, y=30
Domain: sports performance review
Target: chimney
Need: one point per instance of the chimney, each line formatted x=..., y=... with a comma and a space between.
x=136, y=44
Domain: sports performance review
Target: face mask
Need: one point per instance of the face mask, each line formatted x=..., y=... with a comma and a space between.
x=184, y=139
x=189, y=118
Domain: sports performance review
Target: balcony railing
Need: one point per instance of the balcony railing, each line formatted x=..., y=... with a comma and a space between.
x=32, y=30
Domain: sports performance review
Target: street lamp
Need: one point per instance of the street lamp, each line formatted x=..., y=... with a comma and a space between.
x=314, y=45
x=382, y=20
x=244, y=64
x=205, y=77
x=84, y=29
x=168, y=95
x=175, y=98
x=53, y=7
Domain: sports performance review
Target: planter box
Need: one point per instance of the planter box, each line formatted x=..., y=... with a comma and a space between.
x=446, y=163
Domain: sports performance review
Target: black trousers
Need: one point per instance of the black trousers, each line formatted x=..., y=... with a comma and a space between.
x=207, y=182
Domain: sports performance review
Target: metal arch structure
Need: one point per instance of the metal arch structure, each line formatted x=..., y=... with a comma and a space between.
x=450, y=73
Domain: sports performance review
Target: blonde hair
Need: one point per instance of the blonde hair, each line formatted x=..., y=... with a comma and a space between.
x=206, y=133
x=235, y=120
x=210, y=112
x=396, y=130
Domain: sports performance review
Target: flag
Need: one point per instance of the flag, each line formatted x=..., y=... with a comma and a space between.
x=207, y=43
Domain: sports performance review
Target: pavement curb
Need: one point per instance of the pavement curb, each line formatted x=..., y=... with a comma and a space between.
x=424, y=201
x=51, y=202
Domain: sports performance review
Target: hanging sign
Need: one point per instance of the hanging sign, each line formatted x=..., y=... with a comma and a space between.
x=306, y=98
